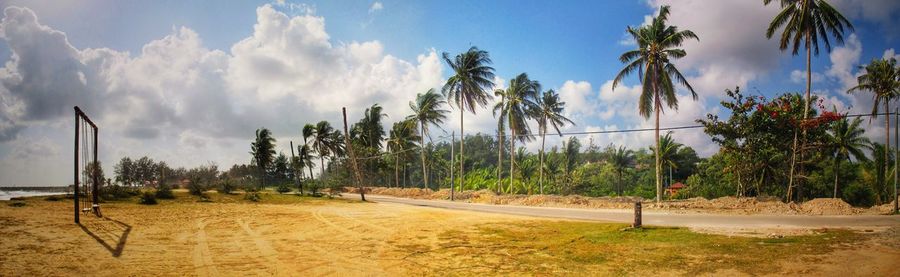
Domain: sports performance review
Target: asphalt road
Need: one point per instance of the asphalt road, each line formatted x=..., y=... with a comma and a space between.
x=660, y=218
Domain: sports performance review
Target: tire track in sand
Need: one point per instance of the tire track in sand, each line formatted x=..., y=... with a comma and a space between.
x=203, y=264
x=265, y=249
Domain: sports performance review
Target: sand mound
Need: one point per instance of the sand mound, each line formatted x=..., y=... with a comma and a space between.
x=828, y=206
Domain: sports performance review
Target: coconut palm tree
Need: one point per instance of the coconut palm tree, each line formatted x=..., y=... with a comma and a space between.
x=309, y=130
x=549, y=112
x=467, y=87
x=518, y=107
x=620, y=159
x=668, y=152
x=263, y=151
x=845, y=139
x=327, y=141
x=501, y=137
x=653, y=61
x=882, y=78
x=368, y=131
x=400, y=139
x=570, y=159
x=805, y=22
x=427, y=109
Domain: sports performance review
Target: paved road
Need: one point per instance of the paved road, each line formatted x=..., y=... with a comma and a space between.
x=660, y=218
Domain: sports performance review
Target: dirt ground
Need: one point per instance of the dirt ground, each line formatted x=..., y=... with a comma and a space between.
x=314, y=237
x=723, y=205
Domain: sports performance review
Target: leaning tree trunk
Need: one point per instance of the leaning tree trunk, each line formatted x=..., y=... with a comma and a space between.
x=397, y=171
x=322, y=164
x=887, y=137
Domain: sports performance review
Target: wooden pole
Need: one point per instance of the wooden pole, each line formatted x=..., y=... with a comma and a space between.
x=362, y=193
x=75, y=184
x=452, y=141
x=637, y=215
x=95, y=188
x=294, y=169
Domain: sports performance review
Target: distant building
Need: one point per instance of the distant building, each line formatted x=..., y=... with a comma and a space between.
x=674, y=188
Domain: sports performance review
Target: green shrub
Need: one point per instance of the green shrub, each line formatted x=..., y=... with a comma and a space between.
x=283, y=188
x=164, y=192
x=147, y=198
x=196, y=186
x=54, y=198
x=226, y=186
x=859, y=196
x=252, y=196
x=17, y=204
x=250, y=188
x=114, y=192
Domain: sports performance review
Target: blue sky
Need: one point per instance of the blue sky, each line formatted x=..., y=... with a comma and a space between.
x=201, y=65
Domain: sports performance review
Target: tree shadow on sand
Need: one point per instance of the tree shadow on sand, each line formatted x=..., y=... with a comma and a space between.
x=107, y=231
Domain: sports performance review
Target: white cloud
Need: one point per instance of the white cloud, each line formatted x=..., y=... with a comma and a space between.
x=799, y=76
x=179, y=101
x=377, y=6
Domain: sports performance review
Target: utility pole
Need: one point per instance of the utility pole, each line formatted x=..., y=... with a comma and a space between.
x=362, y=193
x=452, y=141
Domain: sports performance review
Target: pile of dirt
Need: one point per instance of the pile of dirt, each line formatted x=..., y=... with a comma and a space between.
x=828, y=206
x=729, y=205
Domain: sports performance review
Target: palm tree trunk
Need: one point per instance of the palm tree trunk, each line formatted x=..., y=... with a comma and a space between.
x=422, y=150
x=837, y=168
x=541, y=169
x=397, y=171
x=658, y=106
x=790, y=188
x=322, y=165
x=512, y=158
x=499, y=160
x=887, y=137
x=462, y=139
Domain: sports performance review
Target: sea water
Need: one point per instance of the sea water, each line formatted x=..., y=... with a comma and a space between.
x=6, y=195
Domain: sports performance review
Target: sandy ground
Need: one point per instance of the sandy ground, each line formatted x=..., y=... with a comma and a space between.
x=313, y=238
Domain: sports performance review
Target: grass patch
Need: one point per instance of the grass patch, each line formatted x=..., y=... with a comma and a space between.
x=17, y=204
x=573, y=247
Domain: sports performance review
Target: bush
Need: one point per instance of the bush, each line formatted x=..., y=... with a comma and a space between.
x=252, y=196
x=226, y=186
x=204, y=198
x=54, y=198
x=147, y=198
x=250, y=188
x=196, y=187
x=118, y=192
x=283, y=188
x=17, y=204
x=859, y=196
x=164, y=192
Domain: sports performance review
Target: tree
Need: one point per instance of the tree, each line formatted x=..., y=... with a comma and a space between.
x=549, y=112
x=472, y=76
x=620, y=159
x=501, y=137
x=803, y=22
x=308, y=131
x=263, y=152
x=570, y=154
x=882, y=78
x=124, y=171
x=518, y=107
x=327, y=141
x=401, y=139
x=427, y=109
x=845, y=139
x=653, y=60
x=668, y=151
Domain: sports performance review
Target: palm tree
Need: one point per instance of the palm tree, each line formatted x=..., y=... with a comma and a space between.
x=305, y=158
x=309, y=130
x=803, y=22
x=621, y=159
x=846, y=139
x=427, y=110
x=501, y=127
x=668, y=152
x=570, y=159
x=518, y=107
x=652, y=60
x=263, y=152
x=369, y=131
x=472, y=76
x=400, y=139
x=327, y=141
x=882, y=78
x=549, y=111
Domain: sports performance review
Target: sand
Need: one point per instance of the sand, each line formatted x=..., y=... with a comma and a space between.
x=234, y=237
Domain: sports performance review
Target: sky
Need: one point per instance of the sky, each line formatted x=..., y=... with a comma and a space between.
x=188, y=82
